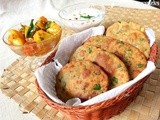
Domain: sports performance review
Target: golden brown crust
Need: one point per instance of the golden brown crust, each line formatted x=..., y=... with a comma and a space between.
x=131, y=33
x=131, y=56
x=111, y=64
x=81, y=79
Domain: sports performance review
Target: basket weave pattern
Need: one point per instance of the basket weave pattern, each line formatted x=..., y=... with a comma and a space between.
x=106, y=109
x=103, y=110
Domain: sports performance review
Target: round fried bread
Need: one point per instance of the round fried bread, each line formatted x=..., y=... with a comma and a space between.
x=131, y=33
x=130, y=55
x=81, y=79
x=127, y=25
x=110, y=63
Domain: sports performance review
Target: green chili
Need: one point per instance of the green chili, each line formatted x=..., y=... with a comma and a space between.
x=31, y=29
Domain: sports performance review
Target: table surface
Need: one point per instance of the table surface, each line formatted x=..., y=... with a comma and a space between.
x=9, y=109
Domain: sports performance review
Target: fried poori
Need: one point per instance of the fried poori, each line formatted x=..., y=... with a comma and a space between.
x=110, y=63
x=131, y=33
x=81, y=79
x=130, y=55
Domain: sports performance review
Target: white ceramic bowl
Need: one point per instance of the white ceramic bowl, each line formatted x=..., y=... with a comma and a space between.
x=82, y=16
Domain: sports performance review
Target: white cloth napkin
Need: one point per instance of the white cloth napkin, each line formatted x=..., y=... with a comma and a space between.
x=46, y=75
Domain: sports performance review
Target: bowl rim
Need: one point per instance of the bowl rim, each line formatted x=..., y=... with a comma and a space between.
x=27, y=22
x=94, y=3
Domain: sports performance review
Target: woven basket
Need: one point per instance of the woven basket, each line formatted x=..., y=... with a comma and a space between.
x=103, y=110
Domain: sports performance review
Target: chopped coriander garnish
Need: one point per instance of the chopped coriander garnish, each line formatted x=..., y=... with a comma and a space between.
x=97, y=87
x=98, y=40
x=114, y=79
x=140, y=65
x=86, y=16
x=96, y=72
x=129, y=52
x=145, y=49
x=90, y=50
x=119, y=31
x=141, y=39
x=120, y=42
x=48, y=24
x=127, y=61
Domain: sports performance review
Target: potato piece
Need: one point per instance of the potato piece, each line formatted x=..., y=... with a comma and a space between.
x=54, y=28
x=41, y=23
x=15, y=37
x=26, y=30
x=41, y=35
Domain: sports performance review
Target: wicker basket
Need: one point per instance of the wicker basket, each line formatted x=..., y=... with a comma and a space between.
x=103, y=110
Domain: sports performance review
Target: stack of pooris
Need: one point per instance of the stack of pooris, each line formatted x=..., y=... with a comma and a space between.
x=81, y=79
x=104, y=62
x=131, y=33
x=110, y=63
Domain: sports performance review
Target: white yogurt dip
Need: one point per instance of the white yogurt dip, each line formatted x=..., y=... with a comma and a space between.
x=82, y=19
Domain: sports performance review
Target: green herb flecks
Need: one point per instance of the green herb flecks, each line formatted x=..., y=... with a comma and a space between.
x=140, y=65
x=145, y=49
x=97, y=72
x=99, y=40
x=97, y=87
x=119, y=66
x=141, y=39
x=129, y=52
x=127, y=61
x=120, y=42
x=83, y=88
x=74, y=76
x=48, y=24
x=119, y=31
x=114, y=80
x=127, y=21
x=22, y=28
x=31, y=29
x=90, y=50
x=86, y=16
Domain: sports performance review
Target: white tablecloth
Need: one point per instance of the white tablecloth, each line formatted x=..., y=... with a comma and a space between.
x=15, y=11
